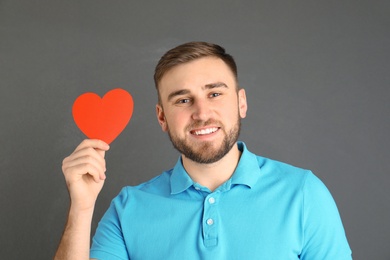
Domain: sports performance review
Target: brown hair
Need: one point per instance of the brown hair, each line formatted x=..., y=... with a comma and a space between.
x=188, y=52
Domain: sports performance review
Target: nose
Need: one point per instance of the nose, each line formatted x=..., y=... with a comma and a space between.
x=201, y=110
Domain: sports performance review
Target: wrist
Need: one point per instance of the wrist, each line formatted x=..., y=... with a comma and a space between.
x=79, y=221
x=82, y=212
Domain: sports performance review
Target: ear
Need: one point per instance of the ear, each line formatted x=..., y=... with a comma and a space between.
x=161, y=118
x=242, y=104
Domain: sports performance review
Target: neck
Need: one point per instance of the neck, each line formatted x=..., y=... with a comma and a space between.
x=212, y=175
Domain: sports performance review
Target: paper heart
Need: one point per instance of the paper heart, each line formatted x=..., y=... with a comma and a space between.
x=103, y=118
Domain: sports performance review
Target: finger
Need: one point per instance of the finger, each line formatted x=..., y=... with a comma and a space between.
x=87, y=144
x=84, y=156
x=102, y=153
x=75, y=172
x=94, y=143
x=97, y=162
x=86, y=152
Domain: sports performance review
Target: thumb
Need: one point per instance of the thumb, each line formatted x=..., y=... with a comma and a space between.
x=102, y=153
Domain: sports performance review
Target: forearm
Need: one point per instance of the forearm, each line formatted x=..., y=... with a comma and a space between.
x=75, y=242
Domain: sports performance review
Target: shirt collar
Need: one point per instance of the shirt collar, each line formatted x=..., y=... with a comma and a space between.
x=180, y=180
x=248, y=170
x=246, y=173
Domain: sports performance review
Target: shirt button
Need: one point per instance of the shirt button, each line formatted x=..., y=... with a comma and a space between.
x=210, y=221
x=211, y=200
x=197, y=188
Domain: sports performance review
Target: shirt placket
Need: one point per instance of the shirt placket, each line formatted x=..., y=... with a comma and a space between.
x=210, y=220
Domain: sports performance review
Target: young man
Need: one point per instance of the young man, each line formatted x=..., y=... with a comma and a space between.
x=220, y=201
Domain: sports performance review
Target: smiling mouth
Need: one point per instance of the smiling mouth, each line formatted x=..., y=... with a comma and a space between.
x=205, y=131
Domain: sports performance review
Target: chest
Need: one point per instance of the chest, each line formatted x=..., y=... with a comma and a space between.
x=214, y=226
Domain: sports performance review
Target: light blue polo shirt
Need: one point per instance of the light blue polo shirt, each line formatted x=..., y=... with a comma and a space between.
x=266, y=210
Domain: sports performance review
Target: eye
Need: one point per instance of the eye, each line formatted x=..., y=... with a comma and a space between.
x=183, y=101
x=215, y=95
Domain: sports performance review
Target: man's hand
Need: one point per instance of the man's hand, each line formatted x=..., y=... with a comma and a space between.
x=84, y=172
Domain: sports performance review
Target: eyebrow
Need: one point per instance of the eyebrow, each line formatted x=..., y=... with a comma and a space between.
x=215, y=85
x=178, y=93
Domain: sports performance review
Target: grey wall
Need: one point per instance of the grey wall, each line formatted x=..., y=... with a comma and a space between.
x=316, y=74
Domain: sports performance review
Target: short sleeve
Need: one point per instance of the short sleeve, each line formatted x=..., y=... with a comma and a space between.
x=324, y=235
x=108, y=242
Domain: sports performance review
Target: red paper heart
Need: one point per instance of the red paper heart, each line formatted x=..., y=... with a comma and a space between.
x=103, y=118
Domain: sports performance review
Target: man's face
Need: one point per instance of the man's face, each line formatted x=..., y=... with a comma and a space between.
x=201, y=109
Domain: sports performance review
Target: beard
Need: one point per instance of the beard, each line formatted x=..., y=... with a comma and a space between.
x=205, y=152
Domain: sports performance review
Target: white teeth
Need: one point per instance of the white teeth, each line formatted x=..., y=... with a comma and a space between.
x=206, y=131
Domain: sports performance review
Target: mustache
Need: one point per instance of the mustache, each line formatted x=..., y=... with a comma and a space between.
x=201, y=123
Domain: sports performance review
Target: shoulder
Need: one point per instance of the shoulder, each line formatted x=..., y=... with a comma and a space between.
x=282, y=171
x=269, y=170
x=159, y=185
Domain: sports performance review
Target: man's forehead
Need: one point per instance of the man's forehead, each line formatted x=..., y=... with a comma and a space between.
x=199, y=64
x=209, y=70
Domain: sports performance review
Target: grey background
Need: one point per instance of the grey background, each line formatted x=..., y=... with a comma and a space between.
x=316, y=75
